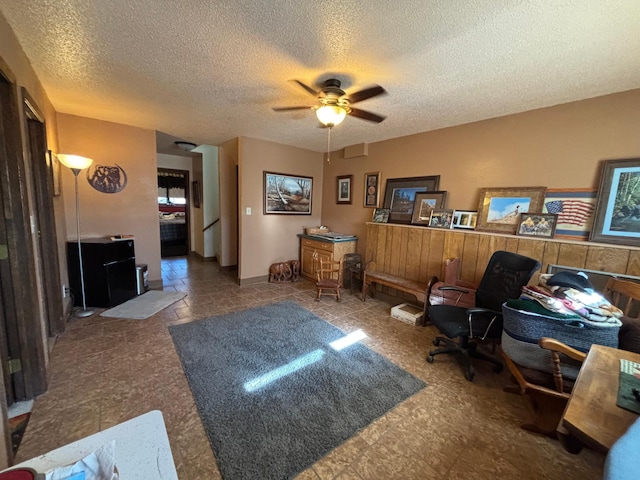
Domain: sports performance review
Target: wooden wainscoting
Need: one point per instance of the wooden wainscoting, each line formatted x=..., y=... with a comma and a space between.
x=418, y=253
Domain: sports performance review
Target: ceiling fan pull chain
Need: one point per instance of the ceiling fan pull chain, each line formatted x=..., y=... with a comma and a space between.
x=329, y=146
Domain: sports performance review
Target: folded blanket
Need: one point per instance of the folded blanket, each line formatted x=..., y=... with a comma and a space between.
x=565, y=300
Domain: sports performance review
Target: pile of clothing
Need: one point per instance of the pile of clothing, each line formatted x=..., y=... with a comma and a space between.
x=572, y=295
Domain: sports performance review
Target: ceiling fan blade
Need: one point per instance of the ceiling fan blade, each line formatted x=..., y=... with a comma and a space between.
x=284, y=109
x=364, y=115
x=307, y=88
x=366, y=93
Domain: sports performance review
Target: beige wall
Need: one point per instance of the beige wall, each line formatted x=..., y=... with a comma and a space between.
x=228, y=156
x=132, y=210
x=556, y=147
x=265, y=239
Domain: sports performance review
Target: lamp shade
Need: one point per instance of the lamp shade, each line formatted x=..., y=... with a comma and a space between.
x=331, y=115
x=74, y=162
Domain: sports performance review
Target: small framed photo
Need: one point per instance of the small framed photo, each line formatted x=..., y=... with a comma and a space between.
x=381, y=215
x=617, y=216
x=425, y=203
x=537, y=225
x=464, y=219
x=372, y=189
x=344, y=189
x=441, y=218
x=195, y=191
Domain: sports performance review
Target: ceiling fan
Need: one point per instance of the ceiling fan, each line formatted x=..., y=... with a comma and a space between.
x=334, y=104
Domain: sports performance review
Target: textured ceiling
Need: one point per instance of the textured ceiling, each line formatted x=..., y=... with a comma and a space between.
x=207, y=71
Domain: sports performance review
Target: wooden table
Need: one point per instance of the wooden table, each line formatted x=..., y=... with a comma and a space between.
x=142, y=450
x=592, y=417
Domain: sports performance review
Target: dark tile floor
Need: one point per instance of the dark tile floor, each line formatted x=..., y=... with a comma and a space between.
x=105, y=371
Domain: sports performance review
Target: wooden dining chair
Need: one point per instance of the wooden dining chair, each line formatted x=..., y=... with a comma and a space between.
x=549, y=391
x=329, y=278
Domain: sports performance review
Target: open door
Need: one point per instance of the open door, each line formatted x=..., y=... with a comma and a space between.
x=173, y=210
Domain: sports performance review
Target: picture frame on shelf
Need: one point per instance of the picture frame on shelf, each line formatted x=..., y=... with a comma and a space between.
x=372, y=189
x=381, y=215
x=425, y=203
x=575, y=208
x=344, y=189
x=441, y=218
x=286, y=194
x=499, y=209
x=465, y=219
x=617, y=214
x=542, y=225
x=400, y=195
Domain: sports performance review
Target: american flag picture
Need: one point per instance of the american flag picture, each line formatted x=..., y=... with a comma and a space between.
x=575, y=211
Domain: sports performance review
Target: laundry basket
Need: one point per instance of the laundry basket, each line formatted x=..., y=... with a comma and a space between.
x=522, y=330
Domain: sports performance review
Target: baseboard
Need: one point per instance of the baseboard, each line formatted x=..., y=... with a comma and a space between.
x=203, y=258
x=252, y=281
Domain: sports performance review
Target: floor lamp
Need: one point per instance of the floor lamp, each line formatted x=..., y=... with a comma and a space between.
x=76, y=163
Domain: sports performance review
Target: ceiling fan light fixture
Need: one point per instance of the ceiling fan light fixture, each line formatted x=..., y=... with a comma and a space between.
x=331, y=115
x=186, y=146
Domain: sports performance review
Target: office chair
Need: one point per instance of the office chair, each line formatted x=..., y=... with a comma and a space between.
x=329, y=278
x=503, y=278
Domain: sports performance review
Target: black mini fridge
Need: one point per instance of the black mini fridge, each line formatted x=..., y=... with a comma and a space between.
x=109, y=271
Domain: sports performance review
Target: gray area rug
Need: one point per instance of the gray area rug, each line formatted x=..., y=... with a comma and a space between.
x=145, y=305
x=274, y=395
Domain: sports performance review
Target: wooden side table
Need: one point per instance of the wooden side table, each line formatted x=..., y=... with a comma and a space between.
x=592, y=417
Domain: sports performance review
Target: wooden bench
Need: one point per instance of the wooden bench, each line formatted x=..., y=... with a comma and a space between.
x=419, y=289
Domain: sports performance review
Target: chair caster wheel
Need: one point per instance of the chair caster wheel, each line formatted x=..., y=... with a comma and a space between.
x=436, y=342
x=430, y=359
x=498, y=368
x=469, y=376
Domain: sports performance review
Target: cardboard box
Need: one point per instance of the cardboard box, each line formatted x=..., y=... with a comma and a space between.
x=408, y=313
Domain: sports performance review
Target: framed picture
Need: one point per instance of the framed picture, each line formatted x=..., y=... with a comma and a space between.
x=499, y=209
x=441, y=218
x=537, y=225
x=400, y=195
x=426, y=202
x=287, y=194
x=195, y=192
x=617, y=216
x=575, y=208
x=372, y=189
x=344, y=189
x=464, y=219
x=54, y=166
x=380, y=215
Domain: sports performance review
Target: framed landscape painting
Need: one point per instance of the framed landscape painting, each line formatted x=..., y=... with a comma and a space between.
x=344, y=189
x=617, y=217
x=287, y=194
x=400, y=195
x=499, y=209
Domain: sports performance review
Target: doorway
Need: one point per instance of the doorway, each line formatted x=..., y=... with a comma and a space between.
x=173, y=212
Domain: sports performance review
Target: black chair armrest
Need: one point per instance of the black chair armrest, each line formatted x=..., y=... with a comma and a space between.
x=483, y=313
